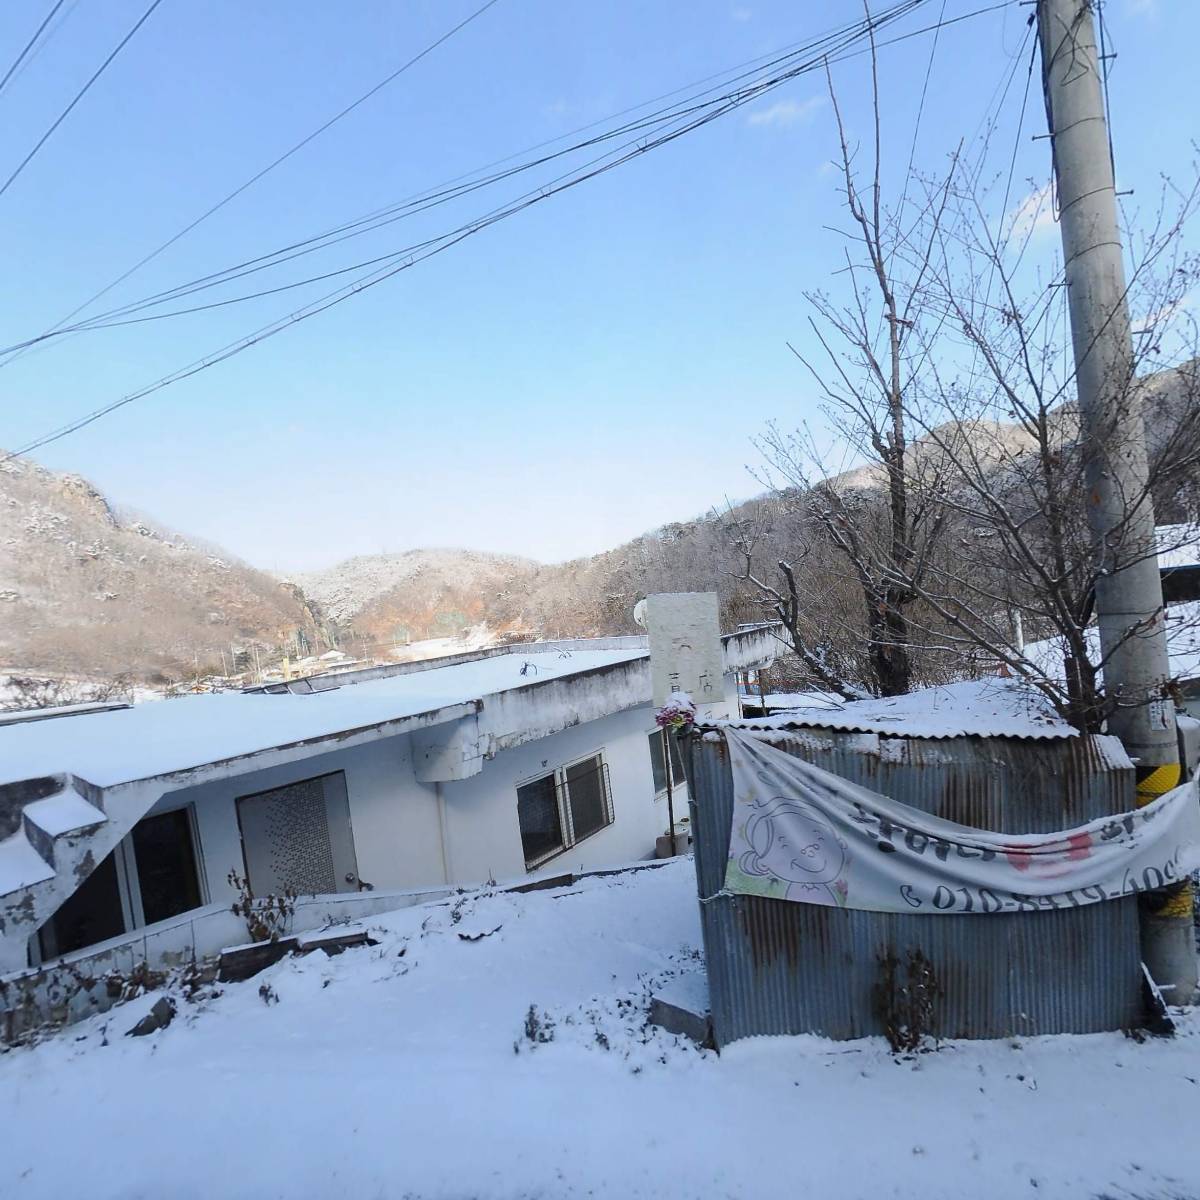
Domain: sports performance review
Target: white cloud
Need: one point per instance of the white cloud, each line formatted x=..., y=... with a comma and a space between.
x=1162, y=317
x=1034, y=215
x=1142, y=8
x=786, y=112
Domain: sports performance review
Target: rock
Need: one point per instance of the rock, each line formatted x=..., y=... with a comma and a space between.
x=78, y=490
x=681, y=1007
x=333, y=941
x=159, y=1017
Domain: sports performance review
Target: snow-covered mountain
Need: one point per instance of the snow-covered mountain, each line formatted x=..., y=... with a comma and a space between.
x=89, y=592
x=436, y=580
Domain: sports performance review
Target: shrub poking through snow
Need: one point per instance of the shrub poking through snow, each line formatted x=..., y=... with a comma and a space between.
x=539, y=1028
x=906, y=1002
x=266, y=917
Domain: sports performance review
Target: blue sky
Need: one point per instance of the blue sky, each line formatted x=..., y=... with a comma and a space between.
x=589, y=369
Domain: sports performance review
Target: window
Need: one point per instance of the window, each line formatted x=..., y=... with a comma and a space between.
x=587, y=797
x=166, y=865
x=150, y=876
x=92, y=914
x=561, y=808
x=659, y=767
x=541, y=824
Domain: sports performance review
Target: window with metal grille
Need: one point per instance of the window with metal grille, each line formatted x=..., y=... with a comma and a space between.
x=658, y=765
x=559, y=809
x=587, y=799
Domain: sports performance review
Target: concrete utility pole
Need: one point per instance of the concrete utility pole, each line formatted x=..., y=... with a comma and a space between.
x=1129, y=604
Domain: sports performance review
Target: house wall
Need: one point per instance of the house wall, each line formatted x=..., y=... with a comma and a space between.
x=394, y=819
x=483, y=839
x=411, y=835
x=397, y=825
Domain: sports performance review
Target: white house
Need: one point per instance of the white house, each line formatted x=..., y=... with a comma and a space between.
x=545, y=757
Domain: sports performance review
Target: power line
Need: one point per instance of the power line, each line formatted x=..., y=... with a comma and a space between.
x=47, y=38
x=912, y=151
x=220, y=204
x=831, y=44
x=638, y=147
x=989, y=121
x=388, y=270
x=30, y=44
x=83, y=91
x=418, y=202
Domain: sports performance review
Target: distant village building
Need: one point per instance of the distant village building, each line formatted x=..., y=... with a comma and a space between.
x=124, y=825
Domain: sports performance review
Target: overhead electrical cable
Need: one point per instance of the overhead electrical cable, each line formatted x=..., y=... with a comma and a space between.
x=439, y=194
x=29, y=45
x=83, y=91
x=371, y=278
x=456, y=179
x=912, y=150
x=282, y=158
x=827, y=47
x=63, y=17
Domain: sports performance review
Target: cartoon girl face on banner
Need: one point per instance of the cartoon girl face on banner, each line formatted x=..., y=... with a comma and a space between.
x=789, y=842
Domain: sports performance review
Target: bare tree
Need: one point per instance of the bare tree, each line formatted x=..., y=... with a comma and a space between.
x=1015, y=492
x=874, y=529
x=947, y=376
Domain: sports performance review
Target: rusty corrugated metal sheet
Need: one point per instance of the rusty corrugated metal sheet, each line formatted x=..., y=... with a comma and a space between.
x=776, y=967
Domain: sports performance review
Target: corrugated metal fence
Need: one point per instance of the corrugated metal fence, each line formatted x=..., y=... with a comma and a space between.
x=778, y=967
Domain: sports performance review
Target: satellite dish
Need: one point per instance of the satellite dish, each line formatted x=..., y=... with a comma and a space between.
x=639, y=614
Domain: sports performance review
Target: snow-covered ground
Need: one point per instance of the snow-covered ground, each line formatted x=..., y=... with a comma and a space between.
x=412, y=1069
x=476, y=637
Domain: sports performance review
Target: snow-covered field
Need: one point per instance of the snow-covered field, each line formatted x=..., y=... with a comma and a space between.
x=412, y=1069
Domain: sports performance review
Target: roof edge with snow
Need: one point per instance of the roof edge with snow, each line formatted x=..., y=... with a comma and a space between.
x=975, y=708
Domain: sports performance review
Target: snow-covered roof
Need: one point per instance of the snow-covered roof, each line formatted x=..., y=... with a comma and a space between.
x=1178, y=545
x=975, y=708
x=21, y=715
x=1183, y=644
x=149, y=740
x=774, y=701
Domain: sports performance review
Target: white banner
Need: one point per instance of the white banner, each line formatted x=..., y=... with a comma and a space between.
x=801, y=833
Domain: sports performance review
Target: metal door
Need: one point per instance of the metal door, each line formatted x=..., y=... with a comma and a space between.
x=299, y=836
